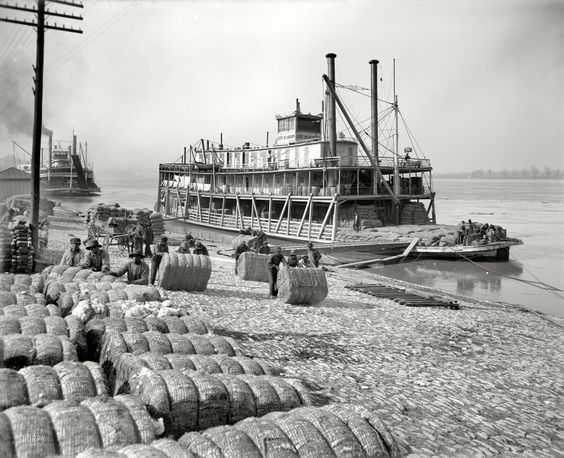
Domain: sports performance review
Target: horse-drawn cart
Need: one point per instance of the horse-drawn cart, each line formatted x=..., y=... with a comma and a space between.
x=114, y=231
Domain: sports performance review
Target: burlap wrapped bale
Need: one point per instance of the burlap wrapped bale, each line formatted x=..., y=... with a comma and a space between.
x=268, y=437
x=13, y=390
x=33, y=434
x=18, y=351
x=186, y=272
x=369, y=437
x=69, y=274
x=115, y=424
x=115, y=295
x=242, y=402
x=200, y=446
x=266, y=398
x=83, y=275
x=42, y=383
x=309, y=442
x=50, y=350
x=76, y=381
x=233, y=442
x=7, y=298
x=75, y=427
x=338, y=435
x=143, y=422
x=306, y=286
x=253, y=266
x=9, y=325
x=53, y=291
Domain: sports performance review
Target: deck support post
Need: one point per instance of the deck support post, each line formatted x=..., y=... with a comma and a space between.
x=326, y=217
x=304, y=215
x=310, y=220
x=256, y=211
x=239, y=212
x=222, y=208
x=289, y=214
x=210, y=208
x=199, y=208
x=335, y=221
x=282, y=213
x=269, y=211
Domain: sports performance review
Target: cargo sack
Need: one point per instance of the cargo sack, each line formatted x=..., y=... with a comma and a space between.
x=253, y=266
x=42, y=385
x=185, y=272
x=301, y=285
x=190, y=401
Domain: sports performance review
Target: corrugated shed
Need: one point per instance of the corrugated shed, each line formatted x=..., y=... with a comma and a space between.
x=13, y=182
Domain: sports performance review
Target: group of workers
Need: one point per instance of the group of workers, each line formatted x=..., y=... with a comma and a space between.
x=96, y=258
x=468, y=233
x=310, y=259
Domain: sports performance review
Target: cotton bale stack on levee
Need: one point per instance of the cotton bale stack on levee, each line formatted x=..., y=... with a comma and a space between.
x=190, y=401
x=70, y=327
x=253, y=266
x=128, y=366
x=96, y=328
x=68, y=428
x=302, y=285
x=336, y=431
x=42, y=385
x=186, y=272
x=17, y=350
x=38, y=310
x=5, y=248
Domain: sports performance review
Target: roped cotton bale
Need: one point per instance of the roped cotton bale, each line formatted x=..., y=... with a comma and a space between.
x=95, y=329
x=189, y=401
x=297, y=285
x=127, y=366
x=186, y=272
x=42, y=385
x=69, y=428
x=17, y=350
x=253, y=266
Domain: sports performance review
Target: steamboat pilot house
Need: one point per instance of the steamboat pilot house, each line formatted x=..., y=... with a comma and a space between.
x=306, y=186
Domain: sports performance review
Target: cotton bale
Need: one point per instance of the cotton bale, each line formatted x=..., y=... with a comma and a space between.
x=253, y=266
x=186, y=272
x=302, y=286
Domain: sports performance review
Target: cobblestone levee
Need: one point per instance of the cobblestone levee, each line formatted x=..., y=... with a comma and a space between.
x=484, y=380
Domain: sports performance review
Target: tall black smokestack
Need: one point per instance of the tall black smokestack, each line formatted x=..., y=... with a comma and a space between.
x=374, y=118
x=331, y=110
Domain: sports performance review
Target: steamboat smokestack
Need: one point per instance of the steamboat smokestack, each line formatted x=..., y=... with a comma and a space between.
x=374, y=118
x=331, y=111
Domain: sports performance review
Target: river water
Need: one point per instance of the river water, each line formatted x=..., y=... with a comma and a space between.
x=531, y=210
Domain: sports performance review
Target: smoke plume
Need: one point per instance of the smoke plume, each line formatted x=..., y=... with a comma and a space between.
x=16, y=101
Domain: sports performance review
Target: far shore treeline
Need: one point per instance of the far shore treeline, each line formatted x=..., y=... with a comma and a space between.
x=533, y=173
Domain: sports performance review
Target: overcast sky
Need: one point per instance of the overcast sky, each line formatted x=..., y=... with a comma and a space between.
x=480, y=83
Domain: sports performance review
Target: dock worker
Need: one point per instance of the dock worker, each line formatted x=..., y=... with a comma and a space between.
x=273, y=266
x=241, y=248
x=158, y=251
x=137, y=270
x=313, y=255
x=72, y=256
x=264, y=248
x=304, y=261
x=200, y=248
x=96, y=258
x=187, y=243
x=138, y=237
x=148, y=239
x=293, y=260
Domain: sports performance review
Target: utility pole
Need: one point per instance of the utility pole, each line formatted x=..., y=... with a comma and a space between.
x=40, y=24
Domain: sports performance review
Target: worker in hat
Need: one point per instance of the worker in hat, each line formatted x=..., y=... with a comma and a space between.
x=200, y=248
x=264, y=248
x=137, y=270
x=158, y=251
x=313, y=255
x=186, y=244
x=241, y=248
x=293, y=259
x=96, y=258
x=273, y=266
x=72, y=256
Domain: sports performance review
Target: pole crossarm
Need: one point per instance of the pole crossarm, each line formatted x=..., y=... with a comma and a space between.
x=18, y=21
x=358, y=137
x=65, y=15
x=63, y=2
x=62, y=28
x=18, y=7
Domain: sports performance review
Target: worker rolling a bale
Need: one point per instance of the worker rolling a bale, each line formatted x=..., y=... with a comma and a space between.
x=305, y=286
x=200, y=248
x=241, y=248
x=273, y=266
x=159, y=250
x=313, y=255
x=137, y=270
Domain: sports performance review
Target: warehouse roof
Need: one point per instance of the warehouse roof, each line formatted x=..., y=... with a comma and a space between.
x=13, y=173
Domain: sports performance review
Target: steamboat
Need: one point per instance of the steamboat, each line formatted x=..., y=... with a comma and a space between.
x=67, y=172
x=312, y=184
